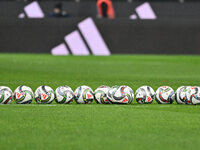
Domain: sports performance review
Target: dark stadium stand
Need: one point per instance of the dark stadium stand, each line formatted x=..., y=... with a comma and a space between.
x=112, y=0
x=84, y=9
x=175, y=28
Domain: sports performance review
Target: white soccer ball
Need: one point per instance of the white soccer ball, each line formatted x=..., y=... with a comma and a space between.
x=145, y=95
x=165, y=95
x=83, y=95
x=181, y=94
x=64, y=95
x=120, y=95
x=100, y=94
x=193, y=95
x=5, y=95
x=23, y=95
x=44, y=95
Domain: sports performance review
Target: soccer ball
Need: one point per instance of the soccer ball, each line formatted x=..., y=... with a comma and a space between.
x=23, y=95
x=44, y=95
x=188, y=94
x=181, y=95
x=145, y=95
x=120, y=95
x=64, y=95
x=193, y=95
x=83, y=95
x=111, y=92
x=165, y=95
x=5, y=95
x=100, y=94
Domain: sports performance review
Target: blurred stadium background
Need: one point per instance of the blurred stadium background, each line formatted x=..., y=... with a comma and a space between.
x=134, y=33
x=139, y=27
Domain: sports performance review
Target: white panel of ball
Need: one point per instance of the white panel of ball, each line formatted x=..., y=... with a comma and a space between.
x=83, y=94
x=145, y=95
x=101, y=93
x=165, y=95
x=23, y=95
x=5, y=95
x=121, y=95
x=64, y=95
x=44, y=95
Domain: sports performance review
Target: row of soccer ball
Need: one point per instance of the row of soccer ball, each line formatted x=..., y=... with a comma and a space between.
x=102, y=95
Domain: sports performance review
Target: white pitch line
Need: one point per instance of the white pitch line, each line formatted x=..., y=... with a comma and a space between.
x=89, y=105
x=26, y=105
x=64, y=105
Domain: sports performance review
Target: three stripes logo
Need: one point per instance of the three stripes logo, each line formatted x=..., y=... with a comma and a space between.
x=76, y=44
x=144, y=11
x=93, y=41
x=32, y=10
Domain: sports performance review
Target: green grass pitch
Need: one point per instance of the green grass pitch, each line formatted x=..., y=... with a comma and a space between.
x=93, y=126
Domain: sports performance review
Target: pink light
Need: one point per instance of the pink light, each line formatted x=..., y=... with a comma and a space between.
x=22, y=15
x=133, y=17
